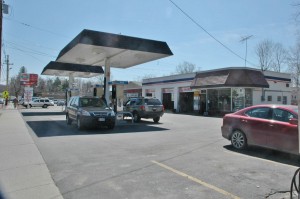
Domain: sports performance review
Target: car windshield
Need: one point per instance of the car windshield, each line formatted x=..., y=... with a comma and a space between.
x=92, y=102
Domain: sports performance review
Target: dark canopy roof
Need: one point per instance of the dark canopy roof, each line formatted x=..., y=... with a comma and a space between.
x=92, y=48
x=230, y=77
x=77, y=70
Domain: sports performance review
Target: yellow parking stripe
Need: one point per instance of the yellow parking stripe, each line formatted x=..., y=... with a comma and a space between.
x=196, y=180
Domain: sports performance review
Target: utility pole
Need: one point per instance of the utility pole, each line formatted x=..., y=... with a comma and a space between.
x=1, y=17
x=7, y=70
x=246, y=39
x=3, y=9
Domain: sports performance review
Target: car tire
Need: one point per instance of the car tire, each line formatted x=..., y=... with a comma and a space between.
x=45, y=106
x=136, y=117
x=156, y=119
x=79, y=124
x=30, y=106
x=68, y=120
x=111, y=126
x=238, y=139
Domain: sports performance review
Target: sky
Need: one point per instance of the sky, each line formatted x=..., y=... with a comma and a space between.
x=34, y=31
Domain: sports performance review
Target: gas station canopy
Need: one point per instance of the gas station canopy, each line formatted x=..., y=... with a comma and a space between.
x=76, y=70
x=93, y=48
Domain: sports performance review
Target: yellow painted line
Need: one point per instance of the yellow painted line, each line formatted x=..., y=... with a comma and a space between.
x=196, y=180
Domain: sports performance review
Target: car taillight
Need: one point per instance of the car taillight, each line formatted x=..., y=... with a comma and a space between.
x=142, y=108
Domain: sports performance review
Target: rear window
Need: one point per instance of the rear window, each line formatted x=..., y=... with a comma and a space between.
x=152, y=102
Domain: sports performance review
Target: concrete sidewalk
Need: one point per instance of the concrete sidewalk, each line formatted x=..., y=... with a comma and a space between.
x=23, y=172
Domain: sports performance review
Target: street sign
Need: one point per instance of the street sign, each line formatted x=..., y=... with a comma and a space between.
x=28, y=93
x=118, y=82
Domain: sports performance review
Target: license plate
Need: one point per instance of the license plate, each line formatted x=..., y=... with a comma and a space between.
x=101, y=119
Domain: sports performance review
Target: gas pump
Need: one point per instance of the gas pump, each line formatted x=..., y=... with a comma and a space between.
x=73, y=90
x=98, y=90
x=117, y=95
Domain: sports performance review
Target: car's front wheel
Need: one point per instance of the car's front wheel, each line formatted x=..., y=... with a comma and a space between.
x=111, y=126
x=136, y=117
x=79, y=124
x=45, y=106
x=238, y=139
x=68, y=120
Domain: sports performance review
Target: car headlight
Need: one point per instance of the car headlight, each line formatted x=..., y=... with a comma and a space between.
x=112, y=114
x=85, y=113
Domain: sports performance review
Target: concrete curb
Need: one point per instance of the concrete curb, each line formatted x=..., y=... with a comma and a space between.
x=23, y=171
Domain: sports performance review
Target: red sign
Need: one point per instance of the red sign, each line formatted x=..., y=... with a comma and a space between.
x=33, y=78
x=28, y=79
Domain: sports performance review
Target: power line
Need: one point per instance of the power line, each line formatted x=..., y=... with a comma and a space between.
x=35, y=27
x=29, y=50
x=197, y=24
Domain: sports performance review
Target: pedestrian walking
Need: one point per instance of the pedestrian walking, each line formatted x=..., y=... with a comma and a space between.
x=15, y=101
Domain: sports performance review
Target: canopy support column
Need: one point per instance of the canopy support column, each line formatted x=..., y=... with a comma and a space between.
x=106, y=80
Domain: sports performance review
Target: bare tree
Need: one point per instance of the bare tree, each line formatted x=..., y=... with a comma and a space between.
x=15, y=85
x=271, y=55
x=185, y=67
x=293, y=60
x=279, y=56
x=264, y=51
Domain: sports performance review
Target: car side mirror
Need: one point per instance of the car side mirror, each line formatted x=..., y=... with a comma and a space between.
x=293, y=121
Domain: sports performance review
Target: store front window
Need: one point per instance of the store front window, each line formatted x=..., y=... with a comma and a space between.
x=241, y=98
x=219, y=101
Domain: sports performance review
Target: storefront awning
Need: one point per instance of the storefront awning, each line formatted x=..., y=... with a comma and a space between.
x=77, y=70
x=230, y=77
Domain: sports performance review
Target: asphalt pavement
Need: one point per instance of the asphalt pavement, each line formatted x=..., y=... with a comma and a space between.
x=23, y=171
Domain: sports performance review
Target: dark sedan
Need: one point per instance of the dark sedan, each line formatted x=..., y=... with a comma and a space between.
x=270, y=126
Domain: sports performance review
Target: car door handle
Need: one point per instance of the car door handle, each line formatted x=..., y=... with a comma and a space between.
x=271, y=125
x=245, y=121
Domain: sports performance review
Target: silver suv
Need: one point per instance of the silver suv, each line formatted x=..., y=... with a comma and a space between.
x=89, y=112
x=145, y=108
x=42, y=102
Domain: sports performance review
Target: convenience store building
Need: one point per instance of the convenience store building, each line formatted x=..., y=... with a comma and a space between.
x=220, y=91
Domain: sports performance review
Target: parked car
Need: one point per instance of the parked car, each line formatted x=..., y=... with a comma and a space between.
x=89, y=112
x=61, y=103
x=145, y=108
x=42, y=102
x=270, y=126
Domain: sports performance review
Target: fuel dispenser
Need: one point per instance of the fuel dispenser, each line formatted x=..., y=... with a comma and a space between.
x=98, y=90
x=117, y=95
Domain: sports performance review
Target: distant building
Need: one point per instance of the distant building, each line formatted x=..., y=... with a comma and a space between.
x=294, y=96
x=220, y=91
x=132, y=89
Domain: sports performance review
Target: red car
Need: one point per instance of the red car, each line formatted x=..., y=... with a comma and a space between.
x=270, y=126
